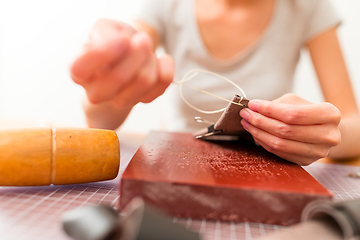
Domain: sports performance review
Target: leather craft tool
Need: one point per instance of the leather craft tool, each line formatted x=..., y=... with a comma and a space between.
x=229, y=181
x=320, y=220
x=325, y=220
x=44, y=156
x=138, y=221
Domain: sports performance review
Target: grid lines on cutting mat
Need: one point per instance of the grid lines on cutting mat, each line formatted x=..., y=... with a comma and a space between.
x=35, y=212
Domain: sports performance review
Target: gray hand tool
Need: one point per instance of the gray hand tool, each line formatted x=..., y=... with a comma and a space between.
x=137, y=221
x=324, y=220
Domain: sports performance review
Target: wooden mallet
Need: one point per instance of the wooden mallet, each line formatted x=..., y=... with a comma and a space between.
x=44, y=156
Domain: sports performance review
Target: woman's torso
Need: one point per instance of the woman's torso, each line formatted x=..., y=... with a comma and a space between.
x=262, y=63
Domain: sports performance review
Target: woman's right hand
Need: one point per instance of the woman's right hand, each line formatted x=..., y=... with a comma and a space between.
x=118, y=66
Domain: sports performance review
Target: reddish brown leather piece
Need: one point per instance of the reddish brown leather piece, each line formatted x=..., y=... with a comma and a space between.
x=229, y=181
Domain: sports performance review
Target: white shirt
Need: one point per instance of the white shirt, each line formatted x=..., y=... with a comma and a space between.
x=264, y=70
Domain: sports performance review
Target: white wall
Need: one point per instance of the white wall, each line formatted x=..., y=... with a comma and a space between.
x=39, y=38
x=349, y=34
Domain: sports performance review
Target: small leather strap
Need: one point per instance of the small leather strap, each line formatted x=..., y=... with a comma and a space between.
x=228, y=123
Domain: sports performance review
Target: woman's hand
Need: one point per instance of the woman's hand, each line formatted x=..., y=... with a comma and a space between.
x=118, y=66
x=293, y=128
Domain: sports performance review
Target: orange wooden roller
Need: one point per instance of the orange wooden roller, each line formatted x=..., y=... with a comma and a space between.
x=44, y=156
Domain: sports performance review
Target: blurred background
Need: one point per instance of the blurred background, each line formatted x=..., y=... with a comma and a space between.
x=39, y=39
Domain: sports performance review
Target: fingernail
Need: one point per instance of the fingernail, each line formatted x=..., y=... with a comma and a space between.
x=244, y=114
x=254, y=105
x=245, y=124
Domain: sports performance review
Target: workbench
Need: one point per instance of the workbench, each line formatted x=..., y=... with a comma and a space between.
x=35, y=212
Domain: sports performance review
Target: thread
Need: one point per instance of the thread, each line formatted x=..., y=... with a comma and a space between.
x=193, y=73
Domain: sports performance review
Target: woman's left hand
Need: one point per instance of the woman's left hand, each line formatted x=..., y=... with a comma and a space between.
x=293, y=128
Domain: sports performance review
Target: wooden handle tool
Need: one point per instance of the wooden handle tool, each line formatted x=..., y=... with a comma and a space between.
x=44, y=156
